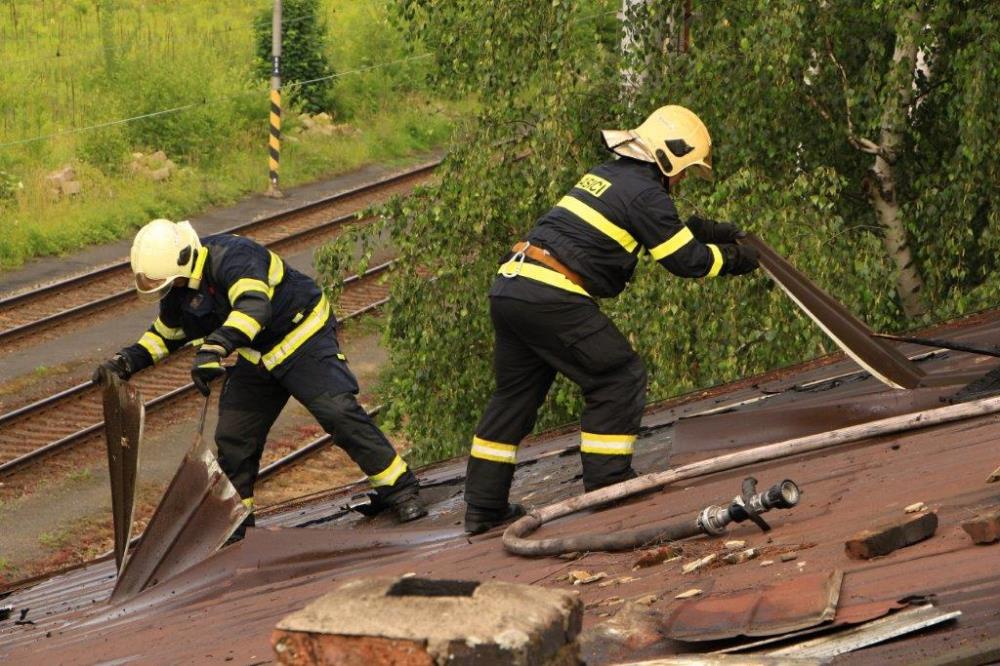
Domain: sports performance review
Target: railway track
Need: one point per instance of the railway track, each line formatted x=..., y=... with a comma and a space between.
x=40, y=310
x=66, y=419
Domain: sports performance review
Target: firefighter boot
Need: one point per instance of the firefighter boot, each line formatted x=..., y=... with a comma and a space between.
x=479, y=520
x=409, y=509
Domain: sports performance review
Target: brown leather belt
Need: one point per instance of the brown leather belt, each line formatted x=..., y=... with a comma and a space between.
x=543, y=257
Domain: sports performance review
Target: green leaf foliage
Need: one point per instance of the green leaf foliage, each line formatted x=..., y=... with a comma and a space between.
x=774, y=81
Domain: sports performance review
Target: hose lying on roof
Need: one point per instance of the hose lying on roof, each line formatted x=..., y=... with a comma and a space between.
x=515, y=537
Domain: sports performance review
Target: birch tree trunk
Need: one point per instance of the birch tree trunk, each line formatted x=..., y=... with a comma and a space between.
x=631, y=80
x=882, y=187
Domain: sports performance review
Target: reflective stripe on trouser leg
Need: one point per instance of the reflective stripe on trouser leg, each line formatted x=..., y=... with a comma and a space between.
x=606, y=459
x=355, y=432
x=523, y=378
x=489, y=473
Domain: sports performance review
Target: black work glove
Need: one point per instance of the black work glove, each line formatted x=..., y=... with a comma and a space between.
x=739, y=259
x=116, y=365
x=208, y=366
x=710, y=231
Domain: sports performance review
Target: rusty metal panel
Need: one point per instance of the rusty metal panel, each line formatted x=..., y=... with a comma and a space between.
x=876, y=356
x=198, y=512
x=802, y=602
x=852, y=335
x=124, y=416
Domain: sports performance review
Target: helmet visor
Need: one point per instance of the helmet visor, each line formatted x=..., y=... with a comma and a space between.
x=150, y=289
x=703, y=168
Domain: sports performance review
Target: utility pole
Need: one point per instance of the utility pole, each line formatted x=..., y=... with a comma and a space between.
x=274, y=140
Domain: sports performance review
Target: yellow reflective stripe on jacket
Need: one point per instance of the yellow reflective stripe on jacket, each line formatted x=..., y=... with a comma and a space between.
x=389, y=475
x=716, y=260
x=244, y=285
x=484, y=449
x=166, y=332
x=672, y=244
x=298, y=335
x=541, y=274
x=275, y=271
x=598, y=221
x=155, y=345
x=249, y=354
x=608, y=445
x=243, y=322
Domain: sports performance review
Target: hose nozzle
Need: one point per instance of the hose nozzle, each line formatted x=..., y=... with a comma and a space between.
x=749, y=505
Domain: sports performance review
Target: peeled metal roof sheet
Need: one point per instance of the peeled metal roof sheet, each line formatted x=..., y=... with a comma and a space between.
x=197, y=513
x=853, y=336
x=124, y=416
x=792, y=605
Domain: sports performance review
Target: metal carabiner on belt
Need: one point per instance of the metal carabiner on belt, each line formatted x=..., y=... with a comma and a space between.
x=517, y=260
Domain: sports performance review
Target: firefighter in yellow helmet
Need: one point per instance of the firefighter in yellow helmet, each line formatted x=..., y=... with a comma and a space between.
x=237, y=297
x=546, y=318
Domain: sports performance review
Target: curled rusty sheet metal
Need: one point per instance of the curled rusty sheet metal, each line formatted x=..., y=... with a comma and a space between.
x=852, y=335
x=198, y=512
x=124, y=416
x=792, y=605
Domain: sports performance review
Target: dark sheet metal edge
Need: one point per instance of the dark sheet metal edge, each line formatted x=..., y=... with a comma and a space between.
x=124, y=418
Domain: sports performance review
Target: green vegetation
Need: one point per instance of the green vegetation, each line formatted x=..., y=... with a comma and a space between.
x=191, y=69
x=79, y=475
x=53, y=540
x=775, y=83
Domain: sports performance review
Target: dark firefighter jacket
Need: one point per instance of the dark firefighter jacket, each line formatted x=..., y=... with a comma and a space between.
x=241, y=296
x=615, y=213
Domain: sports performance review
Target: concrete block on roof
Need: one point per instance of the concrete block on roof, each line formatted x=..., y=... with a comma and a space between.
x=984, y=528
x=892, y=536
x=411, y=621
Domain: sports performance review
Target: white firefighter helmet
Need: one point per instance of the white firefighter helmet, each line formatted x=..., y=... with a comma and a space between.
x=162, y=252
x=672, y=137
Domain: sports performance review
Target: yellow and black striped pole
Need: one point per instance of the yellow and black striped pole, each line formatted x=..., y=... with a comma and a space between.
x=274, y=137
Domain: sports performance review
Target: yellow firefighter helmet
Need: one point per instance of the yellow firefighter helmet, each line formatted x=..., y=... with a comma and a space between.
x=162, y=252
x=672, y=137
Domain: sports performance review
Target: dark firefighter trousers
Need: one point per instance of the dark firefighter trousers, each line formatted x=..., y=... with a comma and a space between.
x=319, y=378
x=534, y=341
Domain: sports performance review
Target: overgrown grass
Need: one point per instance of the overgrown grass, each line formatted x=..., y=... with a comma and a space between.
x=124, y=58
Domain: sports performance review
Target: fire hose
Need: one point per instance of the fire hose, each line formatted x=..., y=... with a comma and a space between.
x=515, y=538
x=712, y=520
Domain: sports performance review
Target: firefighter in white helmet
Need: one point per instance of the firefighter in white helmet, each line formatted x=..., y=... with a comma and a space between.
x=234, y=295
x=546, y=318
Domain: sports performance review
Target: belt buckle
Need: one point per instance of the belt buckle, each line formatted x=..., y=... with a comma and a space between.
x=518, y=260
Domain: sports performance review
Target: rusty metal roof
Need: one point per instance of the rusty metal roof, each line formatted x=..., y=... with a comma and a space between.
x=226, y=606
